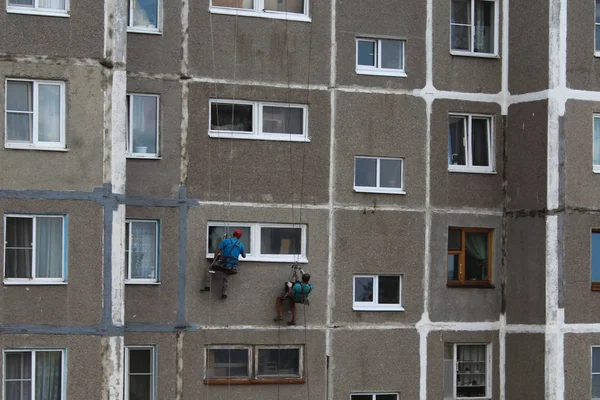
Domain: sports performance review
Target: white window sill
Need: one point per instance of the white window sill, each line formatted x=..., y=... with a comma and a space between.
x=279, y=137
x=141, y=282
x=377, y=308
x=473, y=54
x=596, y=169
x=273, y=258
x=467, y=170
x=379, y=190
x=149, y=31
x=24, y=146
x=33, y=11
x=141, y=156
x=264, y=14
x=596, y=54
x=381, y=72
x=32, y=282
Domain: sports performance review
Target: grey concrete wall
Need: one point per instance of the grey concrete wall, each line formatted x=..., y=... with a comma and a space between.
x=400, y=19
x=80, y=168
x=578, y=362
x=459, y=189
x=79, y=302
x=462, y=73
x=157, y=303
x=261, y=171
x=525, y=367
x=80, y=35
x=384, y=242
x=385, y=126
x=462, y=304
x=583, y=69
x=159, y=178
x=385, y=361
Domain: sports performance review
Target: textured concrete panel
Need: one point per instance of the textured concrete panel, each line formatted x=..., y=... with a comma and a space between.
x=578, y=362
x=260, y=171
x=80, y=168
x=526, y=271
x=379, y=125
x=159, y=178
x=583, y=69
x=525, y=358
x=403, y=20
x=383, y=242
x=253, y=291
x=462, y=304
x=79, y=302
x=460, y=189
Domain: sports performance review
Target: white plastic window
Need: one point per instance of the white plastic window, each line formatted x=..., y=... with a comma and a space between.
x=293, y=10
x=377, y=293
x=380, y=57
x=379, y=175
x=470, y=143
x=474, y=27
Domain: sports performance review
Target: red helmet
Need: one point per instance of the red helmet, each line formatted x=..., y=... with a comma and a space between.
x=237, y=233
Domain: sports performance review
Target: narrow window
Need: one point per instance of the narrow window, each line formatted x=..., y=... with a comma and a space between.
x=595, y=372
x=34, y=248
x=144, y=16
x=470, y=145
x=294, y=10
x=377, y=293
x=473, y=26
x=35, y=114
x=597, y=28
x=378, y=175
x=57, y=8
x=143, y=126
x=375, y=396
x=596, y=143
x=140, y=373
x=280, y=362
x=231, y=362
x=33, y=375
x=141, y=251
x=380, y=57
x=469, y=256
x=467, y=371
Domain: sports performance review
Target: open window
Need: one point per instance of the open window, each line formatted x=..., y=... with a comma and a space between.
x=470, y=257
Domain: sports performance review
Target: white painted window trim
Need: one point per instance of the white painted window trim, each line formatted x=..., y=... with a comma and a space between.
x=377, y=70
x=374, y=395
x=138, y=29
x=254, y=254
x=36, y=10
x=488, y=371
x=153, y=362
x=225, y=347
x=472, y=53
x=300, y=361
x=374, y=305
x=596, y=27
x=33, y=280
x=378, y=188
x=469, y=167
x=63, y=368
x=35, y=144
x=591, y=366
x=595, y=167
x=259, y=11
x=130, y=151
x=257, y=122
x=139, y=281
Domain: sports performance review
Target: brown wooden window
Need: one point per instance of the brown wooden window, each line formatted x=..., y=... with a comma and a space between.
x=470, y=257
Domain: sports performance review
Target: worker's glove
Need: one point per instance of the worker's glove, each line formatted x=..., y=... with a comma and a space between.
x=289, y=284
x=301, y=271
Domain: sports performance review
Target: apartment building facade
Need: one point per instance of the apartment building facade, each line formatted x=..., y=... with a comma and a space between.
x=431, y=164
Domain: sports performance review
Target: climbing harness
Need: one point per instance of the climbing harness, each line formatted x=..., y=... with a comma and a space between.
x=296, y=277
x=224, y=258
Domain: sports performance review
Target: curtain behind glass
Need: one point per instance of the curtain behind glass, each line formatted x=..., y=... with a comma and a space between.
x=17, y=376
x=52, y=4
x=18, y=247
x=143, y=256
x=291, y=6
x=456, y=141
x=48, y=366
x=19, y=123
x=49, y=113
x=597, y=141
x=144, y=124
x=476, y=258
x=460, y=24
x=484, y=26
x=479, y=142
x=49, y=247
x=391, y=54
x=145, y=13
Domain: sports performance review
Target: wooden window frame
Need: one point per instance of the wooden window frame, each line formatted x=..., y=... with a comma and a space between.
x=461, y=282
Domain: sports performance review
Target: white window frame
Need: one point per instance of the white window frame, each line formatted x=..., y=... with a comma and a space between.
x=378, y=188
x=138, y=29
x=595, y=167
x=225, y=347
x=253, y=253
x=596, y=26
x=281, y=347
x=35, y=144
x=130, y=150
x=592, y=373
x=259, y=11
x=377, y=70
x=374, y=305
x=257, y=122
x=153, y=362
x=471, y=52
x=488, y=375
x=63, y=369
x=374, y=395
x=469, y=167
x=37, y=10
x=140, y=281
x=33, y=280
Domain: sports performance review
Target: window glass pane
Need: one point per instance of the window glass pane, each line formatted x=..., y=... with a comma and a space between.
x=471, y=371
x=140, y=387
x=361, y=397
x=386, y=397
x=595, y=386
x=48, y=371
x=365, y=172
x=140, y=361
x=597, y=11
x=52, y=4
x=461, y=37
x=216, y=234
x=19, y=127
x=596, y=359
x=484, y=26
x=597, y=129
x=279, y=362
x=26, y=3
x=291, y=6
x=366, y=53
x=49, y=113
x=234, y=3
x=476, y=257
x=144, y=124
x=18, y=247
x=280, y=240
x=391, y=54
x=18, y=365
x=49, y=247
x=479, y=142
x=449, y=371
x=596, y=257
x=597, y=29
x=456, y=141
x=389, y=290
x=461, y=11
x=143, y=250
x=363, y=289
x=390, y=173
x=145, y=13
x=453, y=267
x=231, y=117
x=225, y=363
x=19, y=232
x=454, y=239
x=19, y=96
x=283, y=120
